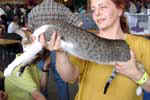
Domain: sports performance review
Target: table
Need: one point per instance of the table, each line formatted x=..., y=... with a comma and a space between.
x=8, y=41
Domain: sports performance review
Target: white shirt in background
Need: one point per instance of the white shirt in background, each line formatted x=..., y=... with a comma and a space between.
x=13, y=27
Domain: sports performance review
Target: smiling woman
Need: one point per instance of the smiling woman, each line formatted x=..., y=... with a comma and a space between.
x=102, y=18
x=92, y=77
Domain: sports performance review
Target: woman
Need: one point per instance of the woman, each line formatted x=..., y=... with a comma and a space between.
x=32, y=81
x=13, y=26
x=92, y=77
x=30, y=84
x=3, y=95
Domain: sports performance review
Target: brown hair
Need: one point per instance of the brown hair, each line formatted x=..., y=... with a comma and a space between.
x=123, y=4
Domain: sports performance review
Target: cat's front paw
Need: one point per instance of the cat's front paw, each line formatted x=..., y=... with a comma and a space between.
x=7, y=72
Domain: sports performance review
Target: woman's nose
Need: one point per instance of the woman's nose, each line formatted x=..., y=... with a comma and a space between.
x=97, y=13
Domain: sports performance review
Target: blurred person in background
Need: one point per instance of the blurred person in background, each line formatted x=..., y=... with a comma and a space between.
x=31, y=81
x=13, y=26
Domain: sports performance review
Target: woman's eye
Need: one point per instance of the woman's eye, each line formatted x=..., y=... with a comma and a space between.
x=103, y=7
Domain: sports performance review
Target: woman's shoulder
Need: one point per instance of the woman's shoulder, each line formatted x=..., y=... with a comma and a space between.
x=133, y=38
x=137, y=42
x=134, y=35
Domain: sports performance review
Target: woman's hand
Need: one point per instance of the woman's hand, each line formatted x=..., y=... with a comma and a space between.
x=129, y=68
x=3, y=95
x=53, y=44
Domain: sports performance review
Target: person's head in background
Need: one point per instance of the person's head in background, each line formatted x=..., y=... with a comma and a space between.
x=7, y=7
x=15, y=19
x=109, y=15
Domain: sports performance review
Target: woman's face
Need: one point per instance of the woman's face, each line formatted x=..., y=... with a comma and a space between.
x=105, y=13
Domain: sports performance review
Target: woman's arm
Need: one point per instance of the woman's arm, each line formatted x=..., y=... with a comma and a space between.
x=37, y=95
x=3, y=95
x=66, y=69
